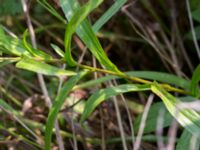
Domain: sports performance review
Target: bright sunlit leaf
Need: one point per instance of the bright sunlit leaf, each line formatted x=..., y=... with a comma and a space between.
x=188, y=118
x=43, y=68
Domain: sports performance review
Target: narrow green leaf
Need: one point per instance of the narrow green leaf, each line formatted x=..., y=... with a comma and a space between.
x=75, y=21
x=48, y=7
x=162, y=77
x=7, y=107
x=195, y=81
x=87, y=35
x=151, y=122
x=31, y=50
x=150, y=75
x=56, y=107
x=185, y=141
x=108, y=14
x=10, y=45
x=104, y=94
x=41, y=67
x=188, y=118
x=115, y=37
x=58, y=50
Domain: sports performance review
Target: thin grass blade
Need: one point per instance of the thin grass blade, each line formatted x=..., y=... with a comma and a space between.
x=108, y=14
x=87, y=35
x=195, y=81
x=57, y=105
x=79, y=15
x=48, y=7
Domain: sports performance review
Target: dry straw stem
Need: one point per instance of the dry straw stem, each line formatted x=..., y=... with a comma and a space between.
x=143, y=122
x=119, y=120
x=40, y=76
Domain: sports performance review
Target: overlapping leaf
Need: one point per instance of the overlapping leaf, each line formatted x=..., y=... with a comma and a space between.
x=188, y=118
x=73, y=24
x=34, y=52
x=150, y=75
x=87, y=35
x=18, y=47
x=104, y=94
x=11, y=45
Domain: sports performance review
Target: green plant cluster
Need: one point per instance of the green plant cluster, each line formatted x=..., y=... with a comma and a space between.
x=18, y=50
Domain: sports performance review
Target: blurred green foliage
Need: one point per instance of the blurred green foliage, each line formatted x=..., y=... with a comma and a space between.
x=194, y=4
x=10, y=7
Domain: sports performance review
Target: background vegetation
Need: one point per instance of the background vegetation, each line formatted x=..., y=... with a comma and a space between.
x=99, y=74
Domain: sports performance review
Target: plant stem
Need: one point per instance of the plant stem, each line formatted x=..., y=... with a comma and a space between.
x=135, y=79
x=93, y=69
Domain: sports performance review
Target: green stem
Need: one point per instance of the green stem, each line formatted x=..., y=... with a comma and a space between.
x=135, y=79
x=93, y=69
